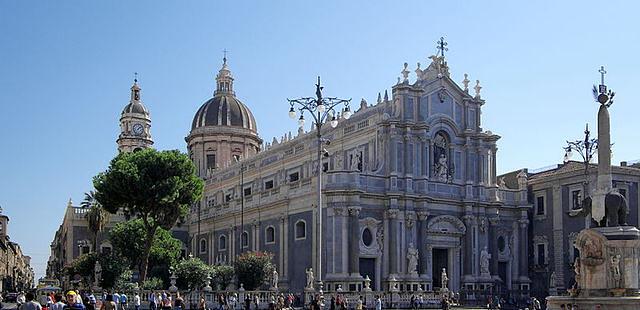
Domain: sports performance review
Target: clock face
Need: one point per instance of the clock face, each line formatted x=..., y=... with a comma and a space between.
x=138, y=129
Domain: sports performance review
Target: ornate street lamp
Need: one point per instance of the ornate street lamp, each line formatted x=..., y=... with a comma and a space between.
x=320, y=109
x=585, y=148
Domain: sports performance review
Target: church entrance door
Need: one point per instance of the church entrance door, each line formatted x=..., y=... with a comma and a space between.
x=368, y=268
x=440, y=260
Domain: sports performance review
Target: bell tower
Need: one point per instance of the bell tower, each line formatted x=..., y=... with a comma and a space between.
x=135, y=124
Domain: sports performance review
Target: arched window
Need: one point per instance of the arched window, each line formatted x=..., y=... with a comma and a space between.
x=203, y=246
x=301, y=230
x=245, y=239
x=222, y=243
x=270, y=235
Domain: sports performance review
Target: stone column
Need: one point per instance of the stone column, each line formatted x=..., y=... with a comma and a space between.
x=421, y=230
x=493, y=245
x=523, y=245
x=469, y=221
x=393, y=240
x=354, y=241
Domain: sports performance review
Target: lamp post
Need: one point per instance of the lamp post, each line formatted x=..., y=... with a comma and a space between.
x=320, y=110
x=586, y=149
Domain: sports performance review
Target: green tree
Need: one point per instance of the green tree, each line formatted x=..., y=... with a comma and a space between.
x=222, y=276
x=127, y=239
x=192, y=273
x=97, y=217
x=82, y=266
x=254, y=268
x=115, y=270
x=155, y=186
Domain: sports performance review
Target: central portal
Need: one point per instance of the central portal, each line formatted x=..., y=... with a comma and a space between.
x=368, y=268
x=440, y=260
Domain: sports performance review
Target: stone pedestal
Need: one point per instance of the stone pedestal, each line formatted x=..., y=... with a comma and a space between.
x=606, y=272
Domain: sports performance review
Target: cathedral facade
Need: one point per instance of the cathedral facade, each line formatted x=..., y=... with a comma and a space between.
x=409, y=189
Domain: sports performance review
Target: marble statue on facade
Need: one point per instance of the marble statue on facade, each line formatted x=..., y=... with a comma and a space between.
x=418, y=73
x=274, y=279
x=97, y=274
x=445, y=280
x=484, y=261
x=412, y=258
x=405, y=73
x=615, y=269
x=477, y=88
x=465, y=82
x=442, y=169
x=310, y=278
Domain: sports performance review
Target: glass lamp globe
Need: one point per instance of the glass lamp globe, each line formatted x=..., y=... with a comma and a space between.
x=347, y=113
x=292, y=113
x=334, y=122
x=321, y=108
x=569, y=154
x=301, y=120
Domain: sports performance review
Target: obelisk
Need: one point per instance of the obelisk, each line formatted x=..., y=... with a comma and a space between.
x=604, y=183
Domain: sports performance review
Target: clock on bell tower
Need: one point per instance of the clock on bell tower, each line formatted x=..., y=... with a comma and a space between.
x=135, y=124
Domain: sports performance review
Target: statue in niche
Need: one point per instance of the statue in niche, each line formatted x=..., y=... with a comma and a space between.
x=615, y=269
x=441, y=168
x=441, y=163
x=412, y=258
x=484, y=261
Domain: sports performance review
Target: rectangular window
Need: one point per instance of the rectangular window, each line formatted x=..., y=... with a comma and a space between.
x=540, y=205
x=247, y=191
x=227, y=197
x=211, y=161
x=575, y=199
x=268, y=184
x=541, y=258
x=294, y=177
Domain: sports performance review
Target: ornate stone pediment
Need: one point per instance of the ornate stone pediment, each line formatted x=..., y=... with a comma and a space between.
x=591, y=245
x=446, y=224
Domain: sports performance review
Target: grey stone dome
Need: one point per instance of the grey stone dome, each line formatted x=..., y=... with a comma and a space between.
x=135, y=107
x=224, y=109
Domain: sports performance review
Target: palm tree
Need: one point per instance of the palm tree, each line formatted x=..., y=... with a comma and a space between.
x=97, y=217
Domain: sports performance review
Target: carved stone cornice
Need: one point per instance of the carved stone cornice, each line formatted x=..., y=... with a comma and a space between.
x=470, y=220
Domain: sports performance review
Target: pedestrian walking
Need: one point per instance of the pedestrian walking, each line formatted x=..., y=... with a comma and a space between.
x=136, y=301
x=179, y=302
x=153, y=301
x=58, y=305
x=123, y=301
x=378, y=303
x=108, y=303
x=72, y=302
x=29, y=303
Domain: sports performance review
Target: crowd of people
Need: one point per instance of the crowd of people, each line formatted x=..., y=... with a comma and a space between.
x=75, y=300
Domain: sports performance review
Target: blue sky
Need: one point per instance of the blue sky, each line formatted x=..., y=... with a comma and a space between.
x=66, y=68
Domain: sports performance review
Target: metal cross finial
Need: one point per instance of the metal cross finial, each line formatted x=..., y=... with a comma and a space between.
x=442, y=46
x=135, y=77
x=225, y=55
x=602, y=73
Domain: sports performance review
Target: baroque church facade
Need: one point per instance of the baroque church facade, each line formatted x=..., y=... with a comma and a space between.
x=409, y=188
